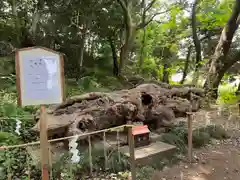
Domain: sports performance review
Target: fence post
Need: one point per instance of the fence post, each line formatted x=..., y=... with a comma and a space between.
x=189, y=118
x=105, y=151
x=44, y=143
x=90, y=154
x=50, y=160
x=132, y=153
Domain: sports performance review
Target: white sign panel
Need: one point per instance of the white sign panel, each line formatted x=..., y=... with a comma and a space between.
x=39, y=73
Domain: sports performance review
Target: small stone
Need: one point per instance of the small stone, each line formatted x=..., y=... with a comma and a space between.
x=226, y=169
x=203, y=161
x=185, y=167
x=236, y=170
x=165, y=168
x=196, y=158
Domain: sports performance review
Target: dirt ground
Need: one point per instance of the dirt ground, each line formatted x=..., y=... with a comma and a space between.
x=218, y=161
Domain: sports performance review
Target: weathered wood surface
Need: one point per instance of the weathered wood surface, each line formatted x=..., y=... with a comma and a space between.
x=151, y=103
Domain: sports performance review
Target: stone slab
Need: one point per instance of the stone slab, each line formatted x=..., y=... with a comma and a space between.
x=145, y=155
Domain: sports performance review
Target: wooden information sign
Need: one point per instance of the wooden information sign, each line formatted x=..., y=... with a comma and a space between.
x=40, y=81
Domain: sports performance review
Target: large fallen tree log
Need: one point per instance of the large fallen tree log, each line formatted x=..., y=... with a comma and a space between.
x=149, y=103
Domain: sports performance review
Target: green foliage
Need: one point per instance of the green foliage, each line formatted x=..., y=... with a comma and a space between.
x=94, y=83
x=8, y=139
x=214, y=14
x=64, y=166
x=227, y=94
x=176, y=137
x=9, y=112
x=150, y=69
x=145, y=172
x=16, y=162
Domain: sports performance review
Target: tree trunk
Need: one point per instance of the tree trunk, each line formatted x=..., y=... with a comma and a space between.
x=186, y=66
x=238, y=89
x=165, y=73
x=118, y=107
x=92, y=47
x=197, y=44
x=220, y=67
x=82, y=45
x=114, y=57
x=16, y=21
x=131, y=28
x=36, y=17
x=129, y=33
x=215, y=79
x=144, y=35
x=220, y=62
x=81, y=50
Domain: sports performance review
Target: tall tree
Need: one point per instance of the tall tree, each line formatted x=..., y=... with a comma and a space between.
x=223, y=58
x=186, y=65
x=144, y=35
x=131, y=25
x=196, y=42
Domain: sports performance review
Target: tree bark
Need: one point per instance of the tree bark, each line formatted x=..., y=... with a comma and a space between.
x=197, y=43
x=86, y=25
x=16, y=21
x=220, y=61
x=220, y=67
x=129, y=31
x=186, y=66
x=131, y=28
x=153, y=104
x=36, y=17
x=81, y=50
x=144, y=35
x=114, y=57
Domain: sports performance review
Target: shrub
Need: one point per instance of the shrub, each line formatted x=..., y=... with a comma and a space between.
x=200, y=139
x=216, y=132
x=227, y=95
x=8, y=139
x=178, y=136
x=16, y=162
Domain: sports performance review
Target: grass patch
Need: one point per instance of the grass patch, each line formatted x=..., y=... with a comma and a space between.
x=178, y=136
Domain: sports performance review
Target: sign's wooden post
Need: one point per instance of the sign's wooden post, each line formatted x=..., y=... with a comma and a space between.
x=132, y=153
x=40, y=80
x=189, y=118
x=44, y=143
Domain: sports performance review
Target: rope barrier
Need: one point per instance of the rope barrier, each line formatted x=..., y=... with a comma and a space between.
x=114, y=129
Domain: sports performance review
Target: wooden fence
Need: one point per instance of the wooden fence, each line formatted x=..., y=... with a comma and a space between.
x=103, y=132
